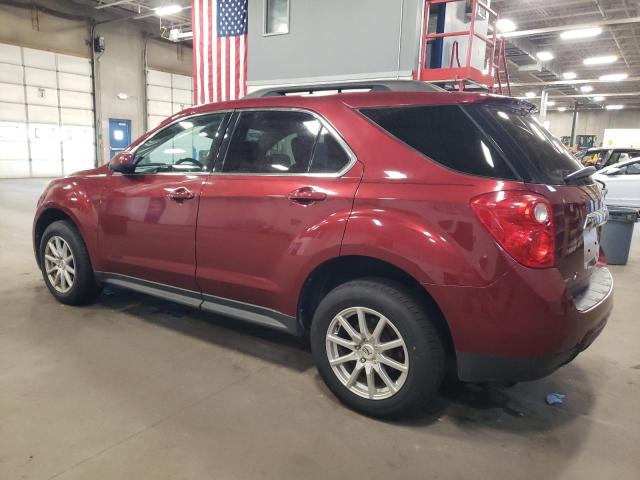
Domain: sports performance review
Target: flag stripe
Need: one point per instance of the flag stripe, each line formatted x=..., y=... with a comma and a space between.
x=220, y=50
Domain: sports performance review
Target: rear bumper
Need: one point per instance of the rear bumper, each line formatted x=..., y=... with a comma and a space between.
x=524, y=328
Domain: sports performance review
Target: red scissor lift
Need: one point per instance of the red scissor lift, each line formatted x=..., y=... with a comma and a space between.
x=463, y=77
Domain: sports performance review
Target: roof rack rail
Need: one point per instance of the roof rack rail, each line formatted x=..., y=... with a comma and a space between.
x=373, y=86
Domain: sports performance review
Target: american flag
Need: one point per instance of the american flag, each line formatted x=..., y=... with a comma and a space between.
x=219, y=50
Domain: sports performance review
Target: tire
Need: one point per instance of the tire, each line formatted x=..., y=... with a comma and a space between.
x=422, y=352
x=83, y=288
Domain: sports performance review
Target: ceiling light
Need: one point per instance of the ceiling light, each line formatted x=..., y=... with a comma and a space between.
x=613, y=77
x=569, y=75
x=551, y=103
x=167, y=10
x=581, y=33
x=505, y=25
x=586, y=88
x=544, y=56
x=600, y=60
x=598, y=98
x=614, y=107
x=530, y=94
x=562, y=109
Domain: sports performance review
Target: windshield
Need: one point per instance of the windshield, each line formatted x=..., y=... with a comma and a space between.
x=529, y=146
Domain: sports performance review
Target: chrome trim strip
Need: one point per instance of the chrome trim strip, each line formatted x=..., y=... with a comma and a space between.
x=247, y=312
x=323, y=121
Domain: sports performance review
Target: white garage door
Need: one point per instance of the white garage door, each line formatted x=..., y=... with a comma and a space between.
x=46, y=113
x=167, y=93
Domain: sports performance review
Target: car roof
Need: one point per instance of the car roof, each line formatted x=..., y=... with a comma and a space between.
x=362, y=100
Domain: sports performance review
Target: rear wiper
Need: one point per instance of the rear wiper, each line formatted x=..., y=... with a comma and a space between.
x=578, y=174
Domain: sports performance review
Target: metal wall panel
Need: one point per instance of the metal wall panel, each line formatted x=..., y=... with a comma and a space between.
x=12, y=112
x=71, y=64
x=10, y=92
x=76, y=100
x=11, y=73
x=10, y=54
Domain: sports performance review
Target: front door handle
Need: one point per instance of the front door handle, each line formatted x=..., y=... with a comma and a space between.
x=306, y=195
x=181, y=193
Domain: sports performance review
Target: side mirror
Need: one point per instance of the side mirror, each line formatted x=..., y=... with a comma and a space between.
x=122, y=162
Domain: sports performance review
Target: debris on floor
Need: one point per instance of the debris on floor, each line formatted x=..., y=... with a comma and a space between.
x=555, y=398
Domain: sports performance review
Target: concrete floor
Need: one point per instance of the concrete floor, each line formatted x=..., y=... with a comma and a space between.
x=136, y=388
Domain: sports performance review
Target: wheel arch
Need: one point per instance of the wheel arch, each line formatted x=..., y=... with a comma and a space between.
x=336, y=271
x=46, y=218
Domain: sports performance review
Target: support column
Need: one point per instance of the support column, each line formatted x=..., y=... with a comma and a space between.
x=543, y=104
x=574, y=123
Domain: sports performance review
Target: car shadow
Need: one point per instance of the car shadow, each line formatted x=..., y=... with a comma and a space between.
x=469, y=407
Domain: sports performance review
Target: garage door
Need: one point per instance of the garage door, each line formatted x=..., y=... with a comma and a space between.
x=167, y=93
x=46, y=113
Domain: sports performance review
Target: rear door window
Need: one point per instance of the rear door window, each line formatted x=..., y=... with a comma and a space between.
x=446, y=135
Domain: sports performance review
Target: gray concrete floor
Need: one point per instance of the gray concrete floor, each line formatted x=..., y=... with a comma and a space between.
x=136, y=388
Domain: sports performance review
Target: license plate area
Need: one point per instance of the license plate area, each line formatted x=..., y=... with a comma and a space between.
x=591, y=247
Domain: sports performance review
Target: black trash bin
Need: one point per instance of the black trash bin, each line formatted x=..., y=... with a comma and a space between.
x=617, y=233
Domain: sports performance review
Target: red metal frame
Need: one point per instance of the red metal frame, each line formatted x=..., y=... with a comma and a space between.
x=461, y=75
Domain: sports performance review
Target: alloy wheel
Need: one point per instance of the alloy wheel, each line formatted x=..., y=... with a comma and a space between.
x=367, y=353
x=59, y=264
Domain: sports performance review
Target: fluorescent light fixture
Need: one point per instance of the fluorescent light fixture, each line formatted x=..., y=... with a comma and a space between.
x=277, y=166
x=614, y=107
x=167, y=10
x=586, y=88
x=551, y=103
x=562, y=109
x=530, y=94
x=598, y=98
x=613, y=77
x=569, y=75
x=581, y=33
x=544, y=56
x=176, y=35
x=506, y=25
x=600, y=60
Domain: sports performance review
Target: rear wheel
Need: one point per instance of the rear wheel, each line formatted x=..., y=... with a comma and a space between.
x=66, y=267
x=376, y=348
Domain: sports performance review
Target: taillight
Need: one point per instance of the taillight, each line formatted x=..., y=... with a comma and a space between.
x=522, y=223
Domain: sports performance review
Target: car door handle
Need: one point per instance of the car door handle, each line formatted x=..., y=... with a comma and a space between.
x=306, y=195
x=181, y=193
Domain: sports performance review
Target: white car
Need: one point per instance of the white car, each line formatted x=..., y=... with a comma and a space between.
x=622, y=183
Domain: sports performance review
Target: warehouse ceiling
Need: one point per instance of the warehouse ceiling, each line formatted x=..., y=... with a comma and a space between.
x=538, y=22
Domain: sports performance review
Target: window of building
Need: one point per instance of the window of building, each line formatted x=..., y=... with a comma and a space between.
x=276, y=13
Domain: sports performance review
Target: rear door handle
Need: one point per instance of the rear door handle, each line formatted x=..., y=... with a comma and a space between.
x=306, y=195
x=181, y=193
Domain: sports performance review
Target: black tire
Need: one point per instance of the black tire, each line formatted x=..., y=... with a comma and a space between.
x=84, y=288
x=426, y=354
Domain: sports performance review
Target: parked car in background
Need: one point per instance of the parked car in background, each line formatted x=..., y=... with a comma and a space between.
x=622, y=183
x=408, y=230
x=603, y=157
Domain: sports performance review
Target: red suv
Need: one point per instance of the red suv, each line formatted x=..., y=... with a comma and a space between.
x=410, y=231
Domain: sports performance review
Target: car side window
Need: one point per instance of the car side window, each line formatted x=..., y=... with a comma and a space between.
x=328, y=155
x=633, y=169
x=271, y=142
x=184, y=146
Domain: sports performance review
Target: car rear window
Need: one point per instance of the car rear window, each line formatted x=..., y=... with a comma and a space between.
x=446, y=135
x=489, y=140
x=529, y=146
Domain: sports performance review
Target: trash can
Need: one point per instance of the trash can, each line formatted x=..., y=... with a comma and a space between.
x=617, y=233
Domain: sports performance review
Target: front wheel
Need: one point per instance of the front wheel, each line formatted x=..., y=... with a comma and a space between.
x=66, y=266
x=376, y=348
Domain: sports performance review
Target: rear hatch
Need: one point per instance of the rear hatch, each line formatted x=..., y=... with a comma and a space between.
x=502, y=139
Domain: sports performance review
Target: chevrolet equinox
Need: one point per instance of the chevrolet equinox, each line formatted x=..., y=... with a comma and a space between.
x=409, y=231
